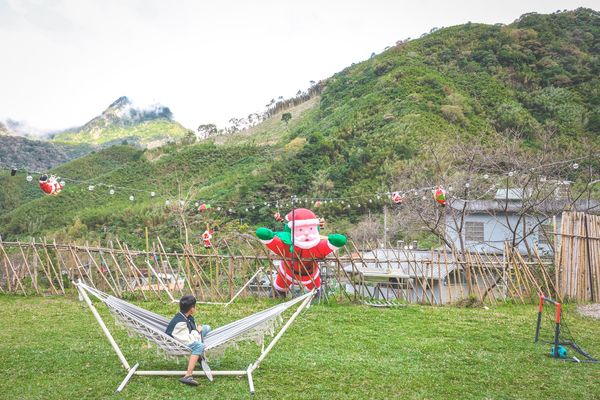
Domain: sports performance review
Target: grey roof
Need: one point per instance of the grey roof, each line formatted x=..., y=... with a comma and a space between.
x=514, y=206
x=510, y=194
x=401, y=264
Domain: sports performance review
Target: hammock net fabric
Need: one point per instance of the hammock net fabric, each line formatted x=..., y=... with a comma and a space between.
x=152, y=326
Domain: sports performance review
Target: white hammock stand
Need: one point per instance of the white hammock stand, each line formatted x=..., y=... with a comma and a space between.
x=152, y=326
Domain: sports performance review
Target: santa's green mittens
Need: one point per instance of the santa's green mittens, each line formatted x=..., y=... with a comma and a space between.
x=264, y=233
x=337, y=240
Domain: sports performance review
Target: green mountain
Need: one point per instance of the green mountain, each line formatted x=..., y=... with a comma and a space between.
x=393, y=121
x=37, y=155
x=122, y=122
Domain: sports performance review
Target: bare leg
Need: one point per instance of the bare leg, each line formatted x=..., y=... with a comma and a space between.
x=191, y=365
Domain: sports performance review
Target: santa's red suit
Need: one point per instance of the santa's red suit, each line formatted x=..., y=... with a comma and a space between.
x=50, y=185
x=206, y=237
x=299, y=266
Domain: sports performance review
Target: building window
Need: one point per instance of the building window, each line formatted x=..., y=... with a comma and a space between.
x=474, y=231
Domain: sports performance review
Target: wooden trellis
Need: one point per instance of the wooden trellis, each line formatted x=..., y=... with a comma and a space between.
x=221, y=275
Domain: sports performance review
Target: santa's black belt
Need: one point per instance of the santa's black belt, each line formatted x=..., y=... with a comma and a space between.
x=302, y=271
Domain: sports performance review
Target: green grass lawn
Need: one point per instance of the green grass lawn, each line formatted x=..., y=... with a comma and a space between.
x=52, y=348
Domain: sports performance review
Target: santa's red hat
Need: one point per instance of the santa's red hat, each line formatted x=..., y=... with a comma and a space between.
x=301, y=217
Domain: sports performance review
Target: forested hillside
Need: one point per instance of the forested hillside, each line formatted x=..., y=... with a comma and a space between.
x=408, y=117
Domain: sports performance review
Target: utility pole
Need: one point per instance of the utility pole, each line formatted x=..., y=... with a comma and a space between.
x=384, y=226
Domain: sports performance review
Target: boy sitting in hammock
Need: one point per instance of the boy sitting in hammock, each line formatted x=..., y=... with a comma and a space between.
x=183, y=328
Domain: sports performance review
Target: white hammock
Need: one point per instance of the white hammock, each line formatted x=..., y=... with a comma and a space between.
x=152, y=326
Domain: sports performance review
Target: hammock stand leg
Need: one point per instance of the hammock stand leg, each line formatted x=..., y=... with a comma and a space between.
x=127, y=378
x=243, y=287
x=262, y=356
x=250, y=381
x=114, y=344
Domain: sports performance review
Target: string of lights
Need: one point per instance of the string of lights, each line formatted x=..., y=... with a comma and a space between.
x=358, y=200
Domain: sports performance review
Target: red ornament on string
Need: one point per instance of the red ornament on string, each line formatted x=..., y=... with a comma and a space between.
x=204, y=207
x=440, y=196
x=397, y=198
x=321, y=222
x=206, y=237
x=51, y=185
x=317, y=203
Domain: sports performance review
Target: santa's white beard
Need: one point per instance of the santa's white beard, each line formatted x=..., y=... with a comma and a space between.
x=306, y=244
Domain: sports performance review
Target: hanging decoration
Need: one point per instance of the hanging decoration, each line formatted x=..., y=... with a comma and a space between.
x=359, y=202
x=397, y=198
x=300, y=246
x=206, y=237
x=51, y=185
x=278, y=217
x=440, y=196
x=321, y=223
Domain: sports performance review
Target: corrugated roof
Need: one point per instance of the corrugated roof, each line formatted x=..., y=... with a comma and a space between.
x=392, y=263
x=513, y=206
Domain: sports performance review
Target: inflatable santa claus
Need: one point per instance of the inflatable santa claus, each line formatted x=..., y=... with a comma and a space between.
x=51, y=185
x=300, y=246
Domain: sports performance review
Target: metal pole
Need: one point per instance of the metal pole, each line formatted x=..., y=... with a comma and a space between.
x=114, y=344
x=539, y=318
x=161, y=282
x=589, y=259
x=557, y=332
x=282, y=331
x=384, y=227
x=243, y=287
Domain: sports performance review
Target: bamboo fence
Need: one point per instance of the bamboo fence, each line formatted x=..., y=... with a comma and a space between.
x=366, y=275
x=578, y=257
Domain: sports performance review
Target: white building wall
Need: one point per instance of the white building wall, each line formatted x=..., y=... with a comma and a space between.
x=498, y=228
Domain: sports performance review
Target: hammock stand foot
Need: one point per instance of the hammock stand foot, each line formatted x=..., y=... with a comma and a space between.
x=127, y=378
x=250, y=381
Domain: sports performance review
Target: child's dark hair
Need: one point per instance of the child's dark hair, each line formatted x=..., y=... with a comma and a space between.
x=186, y=303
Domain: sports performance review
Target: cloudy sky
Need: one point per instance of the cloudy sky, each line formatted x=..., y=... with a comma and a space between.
x=64, y=61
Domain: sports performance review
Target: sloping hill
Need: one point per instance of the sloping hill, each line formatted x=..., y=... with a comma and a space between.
x=373, y=126
x=122, y=122
x=37, y=155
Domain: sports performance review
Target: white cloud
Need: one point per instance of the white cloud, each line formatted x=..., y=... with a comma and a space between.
x=64, y=61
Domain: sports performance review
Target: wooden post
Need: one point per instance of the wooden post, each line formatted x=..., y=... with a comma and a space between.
x=112, y=255
x=132, y=270
x=34, y=282
x=46, y=273
x=13, y=270
x=56, y=272
x=113, y=289
x=129, y=258
x=447, y=276
x=166, y=258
